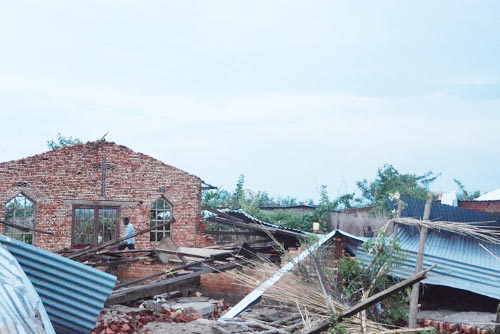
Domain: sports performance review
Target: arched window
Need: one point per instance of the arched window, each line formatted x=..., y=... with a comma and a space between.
x=20, y=211
x=161, y=212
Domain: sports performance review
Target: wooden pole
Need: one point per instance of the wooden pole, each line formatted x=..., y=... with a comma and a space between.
x=323, y=284
x=400, y=208
x=497, y=327
x=413, y=312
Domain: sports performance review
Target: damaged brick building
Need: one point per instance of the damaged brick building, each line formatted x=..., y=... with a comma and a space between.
x=80, y=193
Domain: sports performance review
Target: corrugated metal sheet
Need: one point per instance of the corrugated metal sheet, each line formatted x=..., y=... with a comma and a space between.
x=415, y=209
x=462, y=263
x=21, y=310
x=73, y=294
x=242, y=214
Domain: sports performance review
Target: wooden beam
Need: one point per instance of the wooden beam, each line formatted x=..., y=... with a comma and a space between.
x=126, y=251
x=220, y=232
x=26, y=229
x=164, y=272
x=116, y=262
x=363, y=305
x=151, y=289
x=413, y=311
x=114, y=242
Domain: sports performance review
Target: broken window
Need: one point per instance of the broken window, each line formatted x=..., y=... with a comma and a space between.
x=94, y=225
x=20, y=210
x=161, y=212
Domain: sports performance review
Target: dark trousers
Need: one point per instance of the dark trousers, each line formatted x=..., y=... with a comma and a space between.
x=129, y=246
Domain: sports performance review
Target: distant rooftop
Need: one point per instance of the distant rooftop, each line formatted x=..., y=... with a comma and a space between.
x=493, y=195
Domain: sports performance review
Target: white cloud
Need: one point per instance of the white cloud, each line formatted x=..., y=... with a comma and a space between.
x=274, y=138
x=477, y=81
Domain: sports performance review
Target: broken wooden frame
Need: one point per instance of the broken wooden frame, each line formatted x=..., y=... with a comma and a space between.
x=366, y=303
x=150, y=289
x=114, y=242
x=172, y=271
x=226, y=219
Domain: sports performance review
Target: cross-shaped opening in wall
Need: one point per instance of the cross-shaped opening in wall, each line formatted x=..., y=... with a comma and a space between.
x=103, y=167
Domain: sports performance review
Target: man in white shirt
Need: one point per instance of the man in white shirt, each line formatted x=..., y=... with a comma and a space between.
x=129, y=230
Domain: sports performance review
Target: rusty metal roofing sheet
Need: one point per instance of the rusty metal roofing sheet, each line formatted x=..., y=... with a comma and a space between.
x=462, y=262
x=73, y=294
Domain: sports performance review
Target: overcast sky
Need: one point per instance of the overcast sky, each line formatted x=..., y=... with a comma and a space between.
x=293, y=94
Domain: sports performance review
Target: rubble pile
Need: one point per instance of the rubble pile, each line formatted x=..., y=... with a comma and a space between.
x=120, y=319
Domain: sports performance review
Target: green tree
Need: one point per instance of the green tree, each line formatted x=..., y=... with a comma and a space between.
x=323, y=211
x=353, y=279
x=238, y=198
x=389, y=181
x=466, y=195
x=62, y=141
x=216, y=198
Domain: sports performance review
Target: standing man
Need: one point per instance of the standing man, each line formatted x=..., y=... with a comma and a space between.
x=129, y=230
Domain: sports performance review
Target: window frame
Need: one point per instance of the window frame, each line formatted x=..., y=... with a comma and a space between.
x=96, y=209
x=24, y=233
x=171, y=220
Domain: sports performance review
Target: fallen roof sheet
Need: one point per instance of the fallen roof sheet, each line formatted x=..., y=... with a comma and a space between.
x=243, y=215
x=21, y=310
x=259, y=291
x=72, y=293
x=462, y=262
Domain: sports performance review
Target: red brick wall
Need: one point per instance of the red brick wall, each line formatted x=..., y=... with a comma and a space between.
x=132, y=271
x=484, y=206
x=56, y=179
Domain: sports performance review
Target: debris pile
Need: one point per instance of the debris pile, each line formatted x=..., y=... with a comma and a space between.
x=161, y=309
x=448, y=327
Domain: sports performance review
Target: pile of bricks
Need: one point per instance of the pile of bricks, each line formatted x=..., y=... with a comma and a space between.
x=447, y=327
x=118, y=322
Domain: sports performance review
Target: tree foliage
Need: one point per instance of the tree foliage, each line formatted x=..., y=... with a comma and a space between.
x=253, y=203
x=389, y=181
x=356, y=278
x=62, y=141
x=466, y=195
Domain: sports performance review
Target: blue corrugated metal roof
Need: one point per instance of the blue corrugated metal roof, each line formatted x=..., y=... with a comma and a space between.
x=73, y=294
x=462, y=263
x=415, y=209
